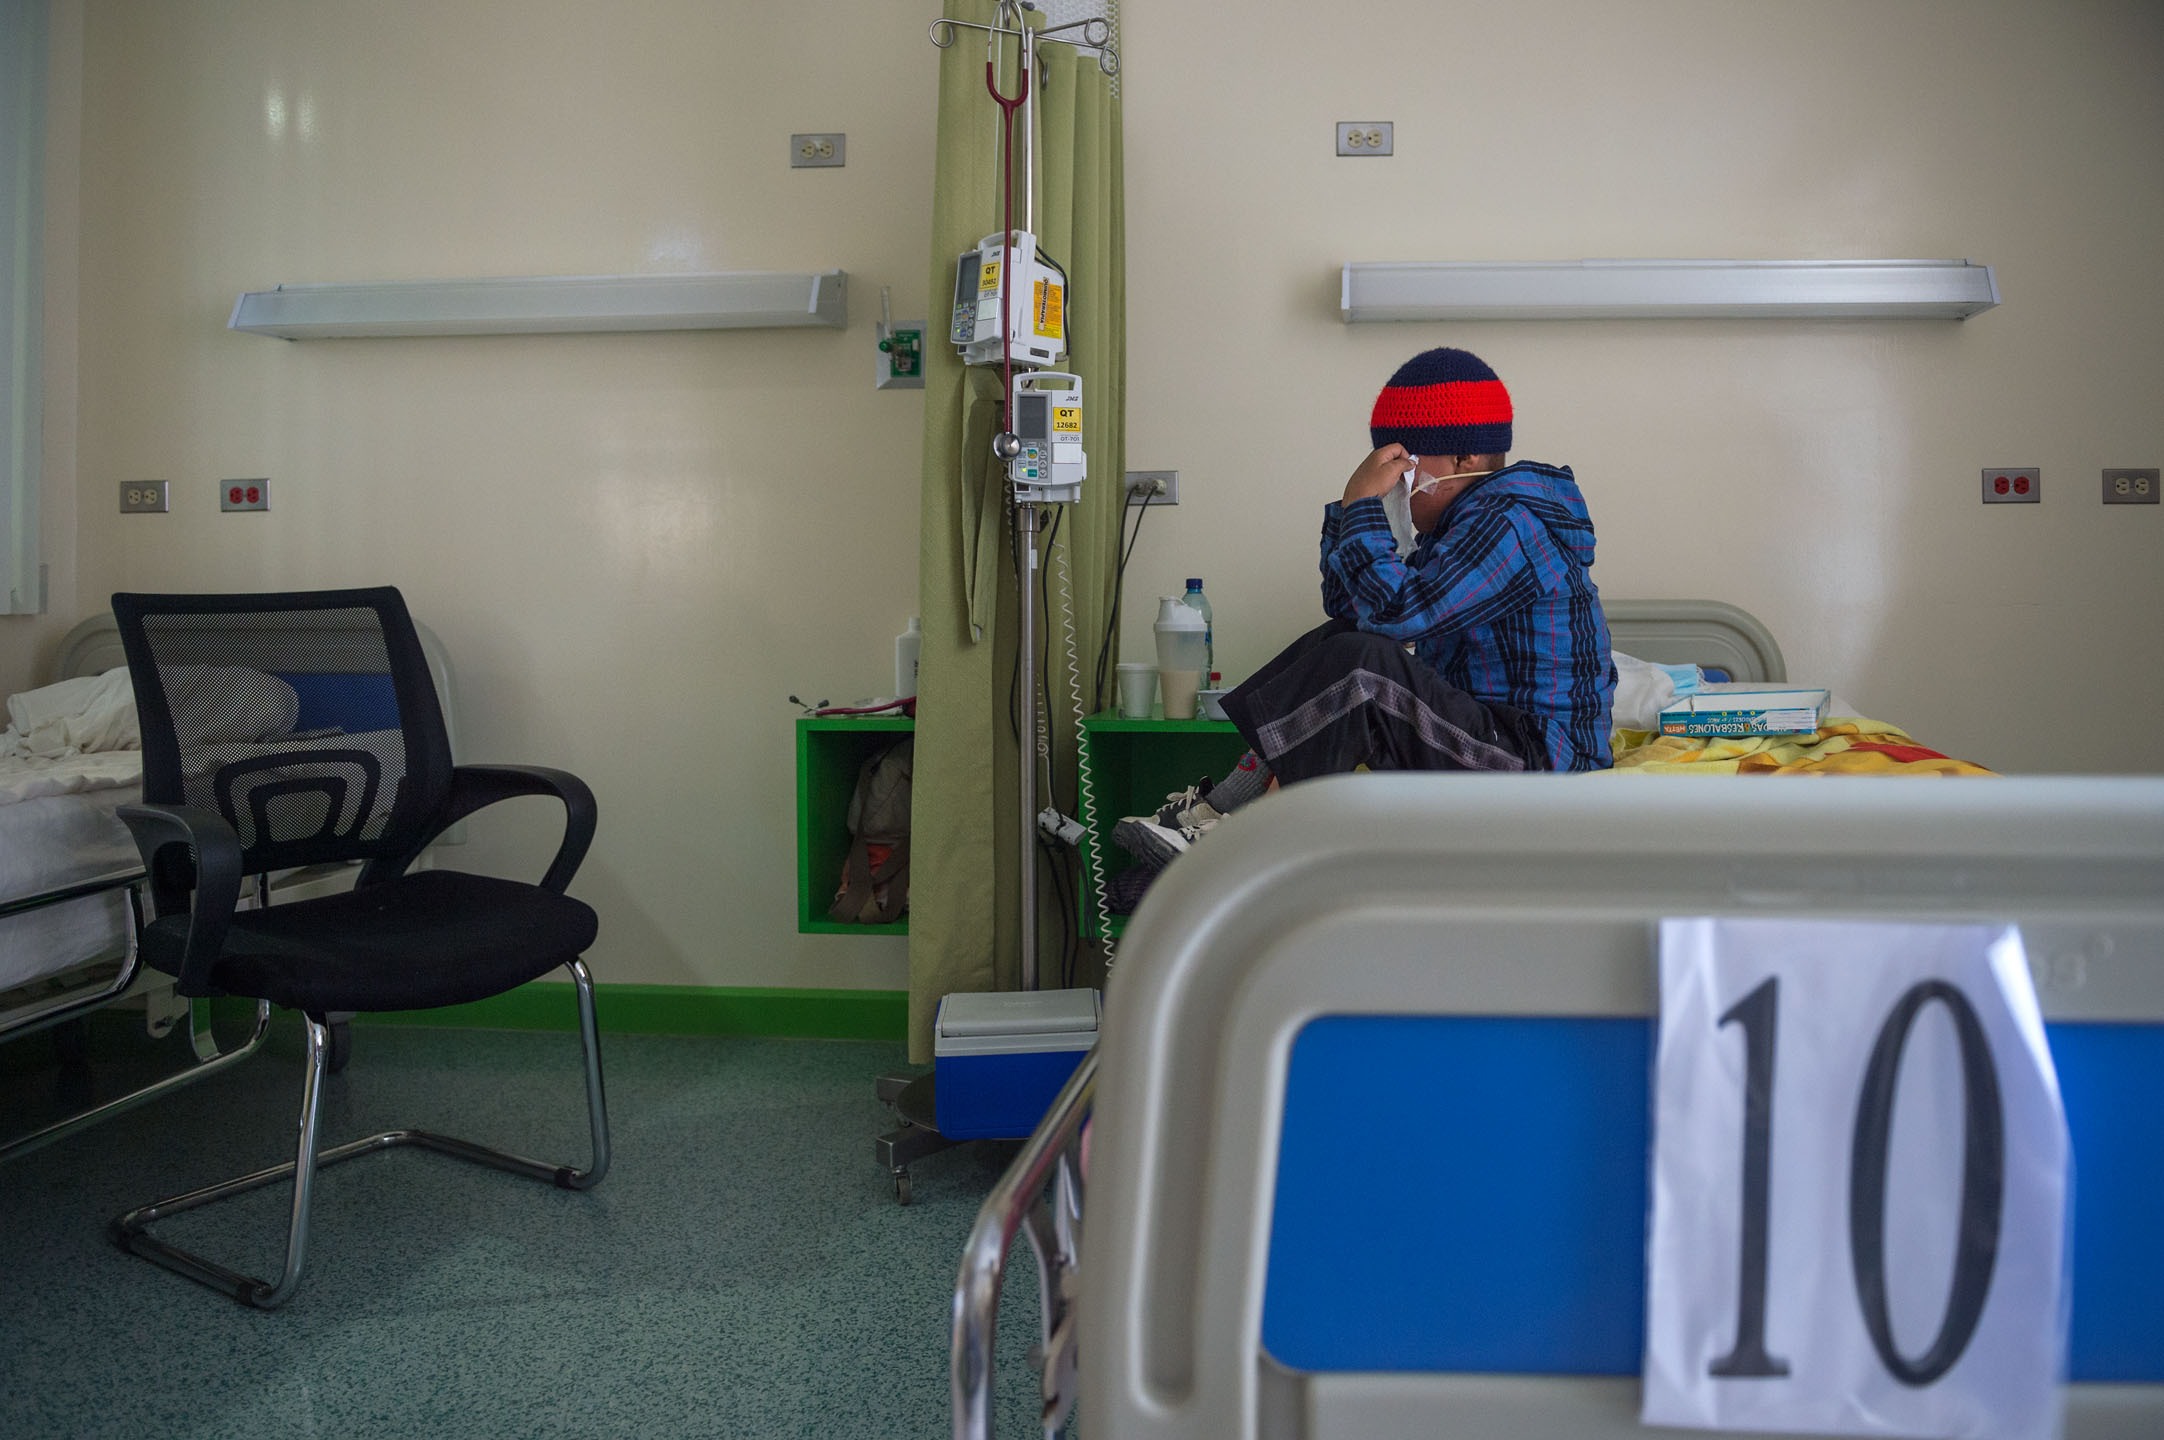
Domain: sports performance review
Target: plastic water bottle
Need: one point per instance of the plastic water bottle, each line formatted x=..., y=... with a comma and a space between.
x=906, y=645
x=1195, y=600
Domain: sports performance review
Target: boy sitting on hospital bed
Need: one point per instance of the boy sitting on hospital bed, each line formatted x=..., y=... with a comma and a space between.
x=1483, y=648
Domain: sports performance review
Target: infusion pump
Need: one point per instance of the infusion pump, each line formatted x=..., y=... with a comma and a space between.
x=1048, y=467
x=1037, y=304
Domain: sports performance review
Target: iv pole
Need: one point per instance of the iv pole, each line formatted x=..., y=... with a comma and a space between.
x=1005, y=446
x=913, y=1098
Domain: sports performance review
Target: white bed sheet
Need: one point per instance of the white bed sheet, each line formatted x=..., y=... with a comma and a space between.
x=57, y=828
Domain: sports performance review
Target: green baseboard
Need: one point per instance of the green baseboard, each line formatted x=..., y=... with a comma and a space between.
x=670, y=1010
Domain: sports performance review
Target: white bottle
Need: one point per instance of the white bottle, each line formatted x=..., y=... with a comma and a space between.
x=1180, y=655
x=905, y=659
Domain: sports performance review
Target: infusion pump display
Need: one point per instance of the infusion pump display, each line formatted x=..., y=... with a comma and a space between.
x=1036, y=304
x=1047, y=419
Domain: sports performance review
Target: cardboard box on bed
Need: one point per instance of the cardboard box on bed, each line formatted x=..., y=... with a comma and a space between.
x=1745, y=708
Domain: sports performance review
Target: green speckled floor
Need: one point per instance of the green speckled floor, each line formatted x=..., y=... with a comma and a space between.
x=742, y=1271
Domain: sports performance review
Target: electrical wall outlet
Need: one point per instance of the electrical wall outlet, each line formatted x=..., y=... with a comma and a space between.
x=244, y=494
x=1363, y=137
x=2130, y=487
x=145, y=497
x=818, y=152
x=2005, y=485
x=1153, y=487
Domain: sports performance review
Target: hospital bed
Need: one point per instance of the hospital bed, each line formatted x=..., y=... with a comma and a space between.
x=1513, y=917
x=71, y=901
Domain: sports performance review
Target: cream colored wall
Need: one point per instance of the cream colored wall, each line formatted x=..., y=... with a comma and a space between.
x=1823, y=475
x=634, y=547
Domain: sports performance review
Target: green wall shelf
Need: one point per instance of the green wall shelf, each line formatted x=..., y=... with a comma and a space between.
x=830, y=749
x=1132, y=766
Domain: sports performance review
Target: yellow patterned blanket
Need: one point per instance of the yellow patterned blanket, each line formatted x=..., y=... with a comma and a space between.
x=1844, y=745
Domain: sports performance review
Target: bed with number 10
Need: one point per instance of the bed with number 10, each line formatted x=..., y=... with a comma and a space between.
x=1372, y=1112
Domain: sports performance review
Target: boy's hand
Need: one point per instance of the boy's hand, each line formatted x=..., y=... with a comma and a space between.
x=1379, y=472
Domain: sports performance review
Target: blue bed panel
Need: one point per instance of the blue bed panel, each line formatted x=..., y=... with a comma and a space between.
x=1469, y=1194
x=354, y=703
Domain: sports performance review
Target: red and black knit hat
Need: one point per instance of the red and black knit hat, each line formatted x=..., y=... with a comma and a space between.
x=1443, y=402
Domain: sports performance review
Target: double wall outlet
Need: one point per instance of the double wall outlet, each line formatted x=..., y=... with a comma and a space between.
x=244, y=494
x=145, y=497
x=2130, y=487
x=1364, y=137
x=818, y=152
x=1153, y=487
x=2006, y=485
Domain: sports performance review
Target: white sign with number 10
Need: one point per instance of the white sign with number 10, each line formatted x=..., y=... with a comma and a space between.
x=1859, y=1184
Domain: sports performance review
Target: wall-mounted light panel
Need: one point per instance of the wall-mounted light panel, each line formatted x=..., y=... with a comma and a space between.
x=547, y=304
x=1665, y=289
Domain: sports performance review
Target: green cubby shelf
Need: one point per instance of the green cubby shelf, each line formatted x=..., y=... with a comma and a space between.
x=1131, y=766
x=830, y=749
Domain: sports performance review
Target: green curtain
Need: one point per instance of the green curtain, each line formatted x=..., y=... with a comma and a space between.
x=964, y=922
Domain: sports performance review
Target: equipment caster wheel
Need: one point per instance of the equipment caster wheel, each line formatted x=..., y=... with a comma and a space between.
x=341, y=1048
x=902, y=1192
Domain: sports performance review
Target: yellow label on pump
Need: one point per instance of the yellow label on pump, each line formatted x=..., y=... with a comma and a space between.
x=1051, y=302
x=1066, y=419
x=988, y=276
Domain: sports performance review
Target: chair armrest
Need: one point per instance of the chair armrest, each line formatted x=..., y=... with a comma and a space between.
x=475, y=787
x=216, y=851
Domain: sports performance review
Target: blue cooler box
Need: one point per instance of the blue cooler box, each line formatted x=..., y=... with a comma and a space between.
x=1000, y=1058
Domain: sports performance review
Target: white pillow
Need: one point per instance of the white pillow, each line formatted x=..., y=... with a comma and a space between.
x=228, y=704
x=83, y=716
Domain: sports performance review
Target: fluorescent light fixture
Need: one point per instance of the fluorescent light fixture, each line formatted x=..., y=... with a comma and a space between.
x=547, y=304
x=1635, y=289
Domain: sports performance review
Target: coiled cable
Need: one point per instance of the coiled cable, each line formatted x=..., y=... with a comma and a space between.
x=1085, y=789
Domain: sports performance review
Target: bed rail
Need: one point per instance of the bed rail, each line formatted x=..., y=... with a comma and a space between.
x=1040, y=1195
x=209, y=1059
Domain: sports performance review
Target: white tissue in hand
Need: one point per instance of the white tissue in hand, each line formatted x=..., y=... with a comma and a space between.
x=1398, y=510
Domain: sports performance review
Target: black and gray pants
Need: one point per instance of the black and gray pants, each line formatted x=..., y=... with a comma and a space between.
x=1339, y=697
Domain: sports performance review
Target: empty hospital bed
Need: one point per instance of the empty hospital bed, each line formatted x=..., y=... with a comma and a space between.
x=1453, y=929
x=70, y=903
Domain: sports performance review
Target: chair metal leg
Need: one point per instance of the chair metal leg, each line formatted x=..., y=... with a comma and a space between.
x=132, y=1230
x=597, y=1104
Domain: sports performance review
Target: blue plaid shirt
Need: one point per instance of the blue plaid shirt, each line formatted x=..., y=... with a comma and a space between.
x=1496, y=599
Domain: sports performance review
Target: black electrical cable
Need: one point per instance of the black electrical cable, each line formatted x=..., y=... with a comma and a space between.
x=1119, y=596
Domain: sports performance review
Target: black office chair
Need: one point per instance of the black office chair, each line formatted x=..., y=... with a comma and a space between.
x=300, y=729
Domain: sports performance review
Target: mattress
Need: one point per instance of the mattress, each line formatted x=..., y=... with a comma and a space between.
x=57, y=828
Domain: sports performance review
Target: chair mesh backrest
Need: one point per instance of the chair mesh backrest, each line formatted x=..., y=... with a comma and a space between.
x=306, y=721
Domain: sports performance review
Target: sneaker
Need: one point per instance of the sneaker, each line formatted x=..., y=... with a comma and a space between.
x=1124, y=891
x=1190, y=807
x=1151, y=839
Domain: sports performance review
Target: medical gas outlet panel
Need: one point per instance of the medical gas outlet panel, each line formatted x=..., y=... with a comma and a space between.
x=1036, y=304
x=1049, y=466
